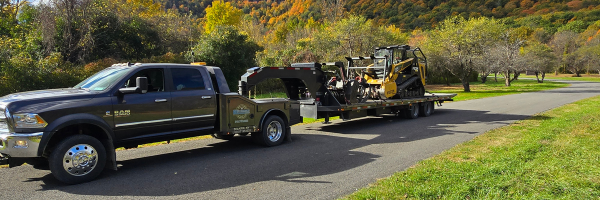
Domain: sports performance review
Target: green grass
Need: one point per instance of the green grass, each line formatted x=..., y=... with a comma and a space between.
x=569, y=78
x=553, y=155
x=270, y=95
x=492, y=88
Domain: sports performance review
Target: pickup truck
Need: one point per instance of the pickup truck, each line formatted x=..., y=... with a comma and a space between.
x=74, y=131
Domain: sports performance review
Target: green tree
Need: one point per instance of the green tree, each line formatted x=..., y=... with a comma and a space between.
x=355, y=34
x=458, y=42
x=564, y=44
x=539, y=58
x=221, y=13
x=226, y=48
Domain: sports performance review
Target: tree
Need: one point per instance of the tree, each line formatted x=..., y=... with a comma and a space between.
x=332, y=9
x=457, y=42
x=506, y=51
x=564, y=43
x=539, y=58
x=221, y=13
x=226, y=48
x=486, y=64
x=65, y=27
x=355, y=34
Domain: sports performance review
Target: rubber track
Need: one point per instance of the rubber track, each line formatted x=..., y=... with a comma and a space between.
x=407, y=83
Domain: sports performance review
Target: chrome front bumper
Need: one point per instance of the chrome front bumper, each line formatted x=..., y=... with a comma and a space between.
x=28, y=147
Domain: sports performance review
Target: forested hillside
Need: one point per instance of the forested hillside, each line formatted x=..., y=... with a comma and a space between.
x=57, y=43
x=406, y=14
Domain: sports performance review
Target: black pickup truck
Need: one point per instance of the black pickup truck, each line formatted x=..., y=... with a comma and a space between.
x=74, y=131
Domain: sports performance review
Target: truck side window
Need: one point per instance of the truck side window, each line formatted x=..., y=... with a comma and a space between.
x=156, y=80
x=187, y=79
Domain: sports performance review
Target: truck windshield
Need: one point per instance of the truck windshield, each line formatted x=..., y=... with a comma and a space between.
x=103, y=79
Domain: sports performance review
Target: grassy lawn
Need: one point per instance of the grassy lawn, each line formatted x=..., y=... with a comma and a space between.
x=584, y=77
x=492, y=88
x=553, y=155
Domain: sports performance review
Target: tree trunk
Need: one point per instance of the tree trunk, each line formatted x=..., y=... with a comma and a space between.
x=447, y=80
x=516, y=77
x=496, y=77
x=465, y=83
x=556, y=72
x=537, y=77
x=543, y=76
x=577, y=74
x=506, y=77
x=483, y=79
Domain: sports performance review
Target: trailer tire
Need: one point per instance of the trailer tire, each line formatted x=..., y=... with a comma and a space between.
x=77, y=159
x=426, y=109
x=412, y=112
x=273, y=132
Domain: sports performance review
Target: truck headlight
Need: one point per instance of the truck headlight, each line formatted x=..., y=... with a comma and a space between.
x=28, y=120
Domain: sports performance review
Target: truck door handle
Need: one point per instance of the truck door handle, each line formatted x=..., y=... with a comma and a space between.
x=160, y=100
x=206, y=97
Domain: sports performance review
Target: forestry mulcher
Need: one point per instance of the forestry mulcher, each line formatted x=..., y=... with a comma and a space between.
x=394, y=72
x=392, y=83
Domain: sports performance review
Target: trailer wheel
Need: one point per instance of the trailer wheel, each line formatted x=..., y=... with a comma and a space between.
x=77, y=159
x=426, y=109
x=272, y=133
x=412, y=112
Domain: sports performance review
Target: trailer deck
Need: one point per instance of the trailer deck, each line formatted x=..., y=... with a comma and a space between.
x=388, y=103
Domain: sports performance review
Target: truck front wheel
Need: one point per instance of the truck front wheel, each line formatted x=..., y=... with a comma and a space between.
x=273, y=132
x=77, y=159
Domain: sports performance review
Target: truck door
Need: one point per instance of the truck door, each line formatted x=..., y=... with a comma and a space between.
x=194, y=102
x=143, y=115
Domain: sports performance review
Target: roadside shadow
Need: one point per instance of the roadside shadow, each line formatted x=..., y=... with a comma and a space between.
x=392, y=129
x=310, y=156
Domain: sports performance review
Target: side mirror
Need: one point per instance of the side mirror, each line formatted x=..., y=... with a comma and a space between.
x=141, y=86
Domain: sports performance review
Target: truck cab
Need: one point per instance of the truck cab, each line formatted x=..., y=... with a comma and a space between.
x=74, y=131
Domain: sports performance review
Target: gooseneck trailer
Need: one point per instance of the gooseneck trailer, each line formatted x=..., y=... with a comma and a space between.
x=318, y=95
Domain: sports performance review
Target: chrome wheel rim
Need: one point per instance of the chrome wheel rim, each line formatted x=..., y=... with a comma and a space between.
x=80, y=160
x=274, y=131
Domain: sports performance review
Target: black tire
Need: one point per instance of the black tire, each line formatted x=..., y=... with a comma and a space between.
x=412, y=112
x=426, y=109
x=222, y=137
x=77, y=159
x=272, y=133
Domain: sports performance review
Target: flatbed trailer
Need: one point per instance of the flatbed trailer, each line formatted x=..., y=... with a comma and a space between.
x=422, y=106
x=307, y=89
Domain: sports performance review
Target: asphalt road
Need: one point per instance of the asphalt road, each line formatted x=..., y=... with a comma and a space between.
x=322, y=162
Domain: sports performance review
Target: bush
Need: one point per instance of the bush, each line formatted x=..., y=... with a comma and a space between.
x=20, y=74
